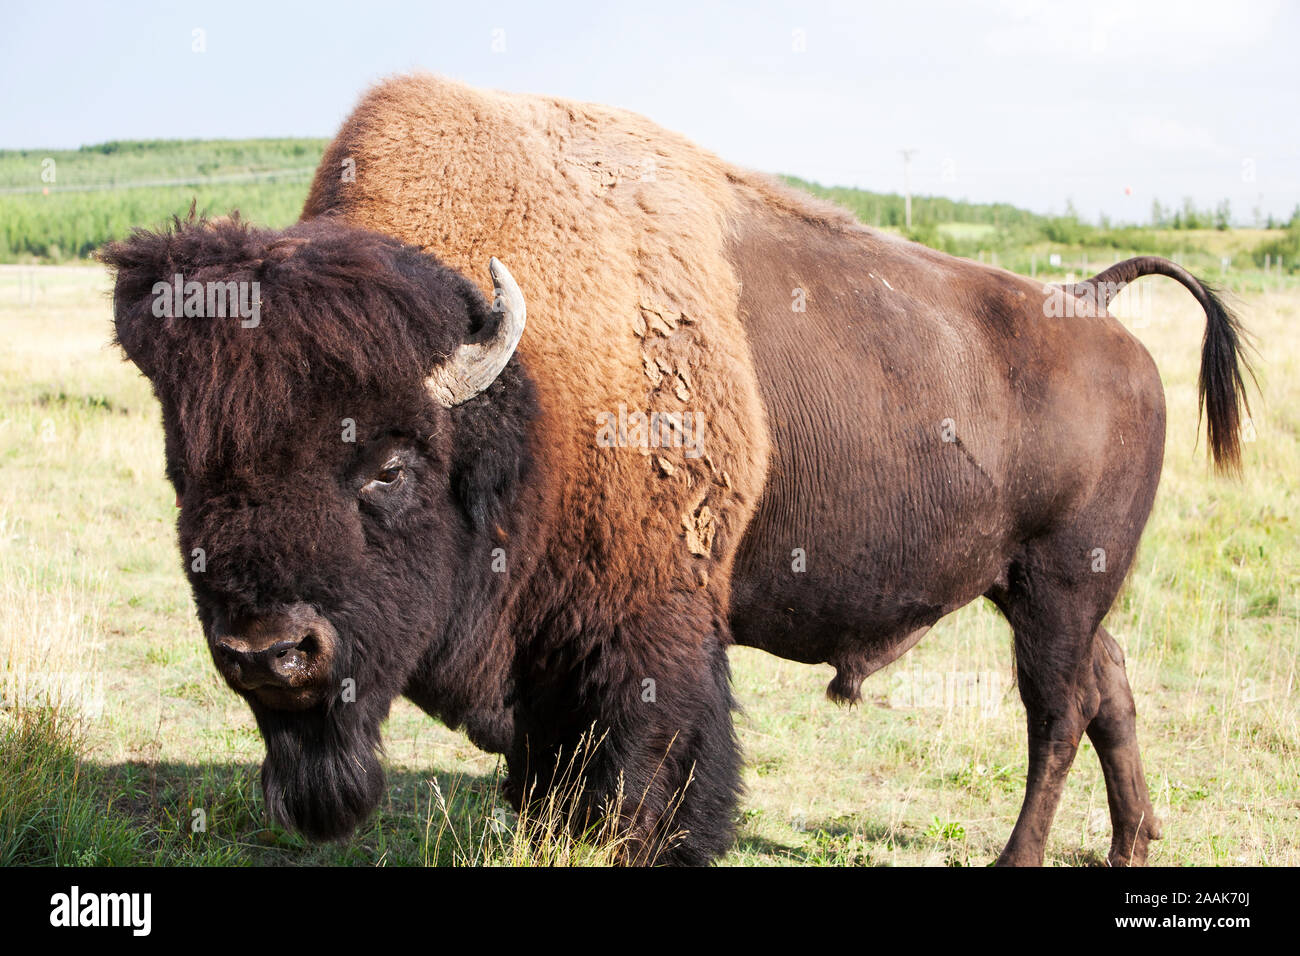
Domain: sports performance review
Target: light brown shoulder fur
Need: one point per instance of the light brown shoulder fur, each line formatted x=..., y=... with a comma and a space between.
x=616, y=232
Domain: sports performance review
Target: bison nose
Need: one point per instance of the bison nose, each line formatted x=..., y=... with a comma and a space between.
x=290, y=650
x=283, y=662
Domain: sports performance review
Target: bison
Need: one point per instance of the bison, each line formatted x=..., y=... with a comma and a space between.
x=734, y=416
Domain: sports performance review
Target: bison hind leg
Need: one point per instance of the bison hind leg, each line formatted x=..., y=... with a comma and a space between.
x=1072, y=682
x=1113, y=732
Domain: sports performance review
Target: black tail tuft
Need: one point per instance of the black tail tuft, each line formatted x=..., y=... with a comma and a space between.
x=1222, y=385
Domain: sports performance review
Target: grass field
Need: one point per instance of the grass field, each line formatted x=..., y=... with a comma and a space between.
x=95, y=618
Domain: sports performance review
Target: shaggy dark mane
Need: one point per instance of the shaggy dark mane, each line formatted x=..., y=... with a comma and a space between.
x=343, y=310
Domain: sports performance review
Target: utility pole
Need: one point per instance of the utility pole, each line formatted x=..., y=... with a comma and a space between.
x=907, y=185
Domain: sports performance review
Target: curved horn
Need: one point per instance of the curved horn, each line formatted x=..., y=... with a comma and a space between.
x=475, y=365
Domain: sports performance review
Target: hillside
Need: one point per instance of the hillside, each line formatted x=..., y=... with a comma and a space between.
x=60, y=205
x=57, y=205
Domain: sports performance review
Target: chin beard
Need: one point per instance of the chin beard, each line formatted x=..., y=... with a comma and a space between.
x=321, y=776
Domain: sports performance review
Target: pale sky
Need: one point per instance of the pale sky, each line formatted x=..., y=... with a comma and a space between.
x=1108, y=104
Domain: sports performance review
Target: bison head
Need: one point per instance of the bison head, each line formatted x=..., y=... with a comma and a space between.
x=346, y=432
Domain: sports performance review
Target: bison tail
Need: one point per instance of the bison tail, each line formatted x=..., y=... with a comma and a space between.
x=1224, y=365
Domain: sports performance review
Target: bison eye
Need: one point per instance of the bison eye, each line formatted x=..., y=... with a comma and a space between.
x=388, y=477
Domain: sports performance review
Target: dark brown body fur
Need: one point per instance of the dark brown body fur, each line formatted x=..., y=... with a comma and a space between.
x=1056, y=435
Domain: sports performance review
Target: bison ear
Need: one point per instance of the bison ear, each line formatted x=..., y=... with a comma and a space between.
x=142, y=291
x=475, y=365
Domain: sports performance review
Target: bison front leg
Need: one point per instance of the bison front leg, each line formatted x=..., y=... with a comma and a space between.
x=637, y=744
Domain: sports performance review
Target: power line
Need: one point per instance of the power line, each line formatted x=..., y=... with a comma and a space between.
x=907, y=184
